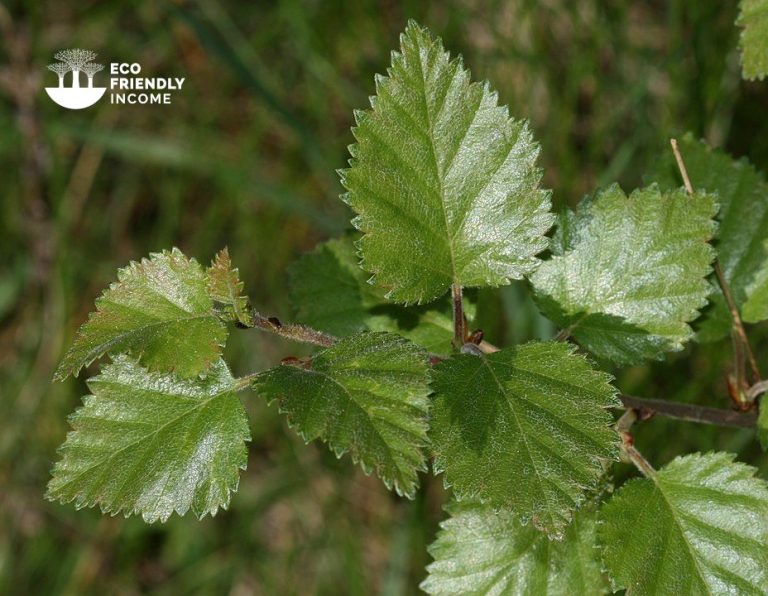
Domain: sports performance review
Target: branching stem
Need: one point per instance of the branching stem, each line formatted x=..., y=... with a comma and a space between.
x=629, y=452
x=738, y=326
x=689, y=412
x=641, y=408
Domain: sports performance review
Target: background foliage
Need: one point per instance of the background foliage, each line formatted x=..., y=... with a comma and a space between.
x=246, y=157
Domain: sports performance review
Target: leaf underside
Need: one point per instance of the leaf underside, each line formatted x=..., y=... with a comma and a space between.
x=153, y=443
x=630, y=272
x=742, y=194
x=444, y=182
x=366, y=395
x=482, y=551
x=753, y=43
x=524, y=428
x=159, y=310
x=331, y=293
x=699, y=527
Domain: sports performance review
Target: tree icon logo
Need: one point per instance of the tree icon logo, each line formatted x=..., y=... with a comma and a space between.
x=75, y=97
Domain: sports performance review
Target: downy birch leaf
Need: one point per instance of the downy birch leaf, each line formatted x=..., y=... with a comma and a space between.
x=742, y=194
x=526, y=428
x=699, y=526
x=159, y=310
x=483, y=551
x=756, y=307
x=444, y=182
x=753, y=43
x=366, y=395
x=153, y=443
x=330, y=292
x=225, y=288
x=629, y=273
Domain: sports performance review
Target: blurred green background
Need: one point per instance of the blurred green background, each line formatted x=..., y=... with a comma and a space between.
x=245, y=157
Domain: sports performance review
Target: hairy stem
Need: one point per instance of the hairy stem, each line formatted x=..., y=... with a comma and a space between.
x=459, y=323
x=245, y=382
x=638, y=408
x=637, y=458
x=291, y=331
x=688, y=412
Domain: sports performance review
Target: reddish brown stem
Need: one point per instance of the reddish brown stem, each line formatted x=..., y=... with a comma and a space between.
x=459, y=323
x=688, y=412
x=738, y=325
x=291, y=331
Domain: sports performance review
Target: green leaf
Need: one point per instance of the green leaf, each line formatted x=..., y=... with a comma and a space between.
x=367, y=395
x=153, y=443
x=332, y=294
x=743, y=197
x=753, y=43
x=444, y=182
x=524, y=428
x=756, y=306
x=159, y=310
x=632, y=272
x=762, y=423
x=225, y=287
x=482, y=551
x=699, y=526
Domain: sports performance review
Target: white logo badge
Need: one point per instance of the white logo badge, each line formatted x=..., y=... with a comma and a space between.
x=75, y=97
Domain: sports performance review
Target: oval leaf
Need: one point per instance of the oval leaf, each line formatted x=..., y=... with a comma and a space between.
x=482, y=551
x=742, y=193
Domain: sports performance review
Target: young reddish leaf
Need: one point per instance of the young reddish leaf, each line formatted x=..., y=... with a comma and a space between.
x=225, y=287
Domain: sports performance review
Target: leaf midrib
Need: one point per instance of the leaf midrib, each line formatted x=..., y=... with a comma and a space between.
x=521, y=431
x=678, y=524
x=104, y=347
x=438, y=172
